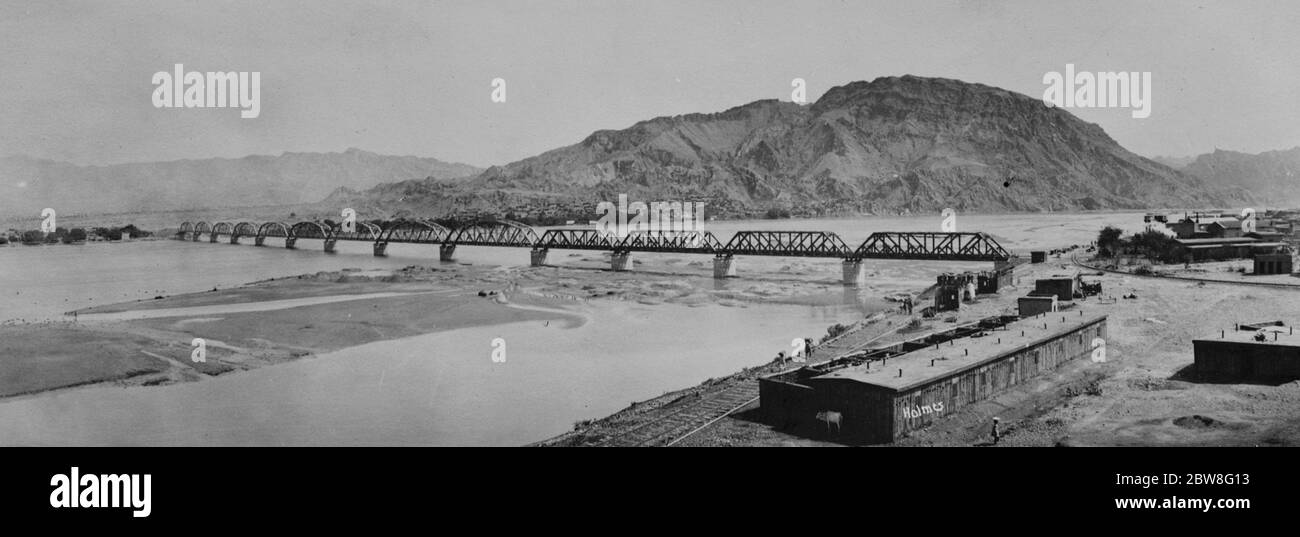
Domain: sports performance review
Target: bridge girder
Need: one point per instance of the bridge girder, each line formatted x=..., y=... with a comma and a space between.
x=245, y=229
x=700, y=242
x=273, y=229
x=223, y=228
x=787, y=244
x=495, y=233
x=939, y=246
x=413, y=231
x=310, y=230
x=577, y=239
x=362, y=231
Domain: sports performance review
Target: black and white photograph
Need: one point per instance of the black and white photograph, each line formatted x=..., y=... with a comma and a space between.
x=664, y=223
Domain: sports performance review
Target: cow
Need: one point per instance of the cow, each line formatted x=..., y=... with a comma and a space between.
x=829, y=417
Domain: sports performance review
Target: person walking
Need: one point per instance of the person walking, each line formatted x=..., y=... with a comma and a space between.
x=997, y=435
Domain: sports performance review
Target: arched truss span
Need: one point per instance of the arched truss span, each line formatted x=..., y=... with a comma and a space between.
x=273, y=229
x=495, y=233
x=310, y=230
x=245, y=229
x=413, y=231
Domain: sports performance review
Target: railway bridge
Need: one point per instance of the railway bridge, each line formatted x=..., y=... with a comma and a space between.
x=930, y=246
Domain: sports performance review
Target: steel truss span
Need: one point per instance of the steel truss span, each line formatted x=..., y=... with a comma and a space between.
x=787, y=244
x=932, y=246
x=413, y=231
x=495, y=233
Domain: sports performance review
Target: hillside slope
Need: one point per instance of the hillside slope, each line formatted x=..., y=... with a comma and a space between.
x=895, y=144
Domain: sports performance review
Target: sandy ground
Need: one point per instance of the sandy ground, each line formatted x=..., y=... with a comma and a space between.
x=1232, y=271
x=1144, y=395
x=156, y=351
x=447, y=296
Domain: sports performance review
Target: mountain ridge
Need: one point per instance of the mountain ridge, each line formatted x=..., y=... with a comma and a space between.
x=28, y=184
x=1276, y=173
x=891, y=145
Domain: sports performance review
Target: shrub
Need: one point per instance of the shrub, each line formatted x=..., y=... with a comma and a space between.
x=835, y=330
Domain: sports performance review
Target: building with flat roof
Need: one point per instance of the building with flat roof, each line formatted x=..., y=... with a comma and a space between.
x=1226, y=248
x=883, y=399
x=1036, y=305
x=1239, y=355
x=1273, y=264
x=1060, y=286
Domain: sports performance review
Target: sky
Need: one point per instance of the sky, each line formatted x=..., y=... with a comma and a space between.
x=415, y=78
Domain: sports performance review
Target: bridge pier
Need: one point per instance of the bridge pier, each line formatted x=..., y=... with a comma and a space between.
x=258, y=240
x=537, y=257
x=213, y=238
x=196, y=237
x=855, y=273
x=234, y=239
x=620, y=261
x=381, y=249
x=289, y=242
x=724, y=266
x=329, y=245
x=446, y=252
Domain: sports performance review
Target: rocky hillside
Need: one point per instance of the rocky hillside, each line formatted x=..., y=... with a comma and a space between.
x=1273, y=175
x=892, y=145
x=28, y=185
x=1177, y=163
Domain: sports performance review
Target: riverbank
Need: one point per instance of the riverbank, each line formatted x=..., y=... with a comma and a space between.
x=400, y=356
x=158, y=350
x=1144, y=395
x=148, y=342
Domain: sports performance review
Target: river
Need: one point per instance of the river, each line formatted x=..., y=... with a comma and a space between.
x=434, y=389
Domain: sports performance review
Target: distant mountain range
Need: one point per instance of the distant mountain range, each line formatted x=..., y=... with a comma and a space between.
x=28, y=185
x=1273, y=176
x=892, y=145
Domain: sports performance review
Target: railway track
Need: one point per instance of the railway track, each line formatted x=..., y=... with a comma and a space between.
x=1075, y=260
x=679, y=422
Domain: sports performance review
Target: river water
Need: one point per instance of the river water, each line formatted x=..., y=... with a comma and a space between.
x=435, y=389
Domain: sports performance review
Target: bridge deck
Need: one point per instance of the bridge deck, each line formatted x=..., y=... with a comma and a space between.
x=918, y=245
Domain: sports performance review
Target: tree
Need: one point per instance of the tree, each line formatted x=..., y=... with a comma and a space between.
x=1108, y=241
x=134, y=231
x=75, y=234
x=775, y=213
x=1156, y=246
